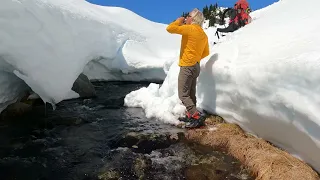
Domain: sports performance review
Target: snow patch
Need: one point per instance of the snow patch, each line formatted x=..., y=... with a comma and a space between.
x=48, y=43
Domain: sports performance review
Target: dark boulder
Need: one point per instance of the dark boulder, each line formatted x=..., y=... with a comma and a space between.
x=84, y=87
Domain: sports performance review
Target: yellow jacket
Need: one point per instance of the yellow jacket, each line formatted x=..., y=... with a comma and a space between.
x=194, y=42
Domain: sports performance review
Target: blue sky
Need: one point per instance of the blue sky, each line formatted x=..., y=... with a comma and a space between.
x=165, y=11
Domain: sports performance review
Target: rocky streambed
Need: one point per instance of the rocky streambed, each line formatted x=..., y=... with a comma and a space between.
x=99, y=138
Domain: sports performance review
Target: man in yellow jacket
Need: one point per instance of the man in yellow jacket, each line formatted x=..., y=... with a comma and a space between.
x=194, y=47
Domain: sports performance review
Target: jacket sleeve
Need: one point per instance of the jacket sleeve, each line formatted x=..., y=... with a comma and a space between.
x=205, y=51
x=176, y=28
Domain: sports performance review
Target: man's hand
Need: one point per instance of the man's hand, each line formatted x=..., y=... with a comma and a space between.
x=180, y=19
x=177, y=27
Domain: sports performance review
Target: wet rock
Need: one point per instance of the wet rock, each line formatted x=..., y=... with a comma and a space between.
x=199, y=162
x=145, y=143
x=16, y=110
x=176, y=137
x=122, y=163
x=25, y=107
x=215, y=167
x=168, y=163
x=33, y=96
x=84, y=87
x=133, y=135
x=87, y=101
x=109, y=175
x=141, y=165
x=128, y=140
x=204, y=172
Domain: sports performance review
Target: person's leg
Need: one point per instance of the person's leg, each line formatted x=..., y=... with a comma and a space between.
x=193, y=90
x=231, y=28
x=197, y=119
x=185, y=80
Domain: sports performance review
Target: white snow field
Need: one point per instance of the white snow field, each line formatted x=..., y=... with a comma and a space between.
x=48, y=43
x=264, y=77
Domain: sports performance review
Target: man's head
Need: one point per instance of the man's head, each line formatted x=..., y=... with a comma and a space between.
x=195, y=17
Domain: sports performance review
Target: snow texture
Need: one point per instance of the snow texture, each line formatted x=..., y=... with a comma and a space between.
x=264, y=77
x=48, y=43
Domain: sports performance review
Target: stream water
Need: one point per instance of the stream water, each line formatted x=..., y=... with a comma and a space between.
x=99, y=138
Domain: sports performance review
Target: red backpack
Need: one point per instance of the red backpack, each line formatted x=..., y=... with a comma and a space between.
x=243, y=10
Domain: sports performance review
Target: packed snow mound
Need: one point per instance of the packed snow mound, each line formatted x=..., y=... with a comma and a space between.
x=12, y=88
x=264, y=77
x=48, y=43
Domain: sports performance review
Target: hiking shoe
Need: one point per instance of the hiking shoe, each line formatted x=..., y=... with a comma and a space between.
x=197, y=120
x=187, y=118
x=184, y=119
x=195, y=123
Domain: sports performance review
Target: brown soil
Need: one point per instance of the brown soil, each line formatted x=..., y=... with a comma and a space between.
x=265, y=161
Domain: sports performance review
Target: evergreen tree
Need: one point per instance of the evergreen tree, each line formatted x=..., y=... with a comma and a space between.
x=214, y=8
x=216, y=5
x=212, y=16
x=222, y=21
x=206, y=12
x=212, y=21
x=212, y=13
x=210, y=9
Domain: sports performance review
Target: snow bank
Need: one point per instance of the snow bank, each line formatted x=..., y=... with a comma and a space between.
x=12, y=88
x=264, y=77
x=48, y=43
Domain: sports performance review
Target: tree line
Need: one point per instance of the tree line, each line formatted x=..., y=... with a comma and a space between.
x=213, y=13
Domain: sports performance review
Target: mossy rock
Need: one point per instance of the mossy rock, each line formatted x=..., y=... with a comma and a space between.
x=109, y=175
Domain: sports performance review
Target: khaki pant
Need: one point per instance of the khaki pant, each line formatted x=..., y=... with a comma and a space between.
x=187, y=82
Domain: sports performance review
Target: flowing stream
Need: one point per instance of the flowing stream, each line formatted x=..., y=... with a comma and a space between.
x=99, y=138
